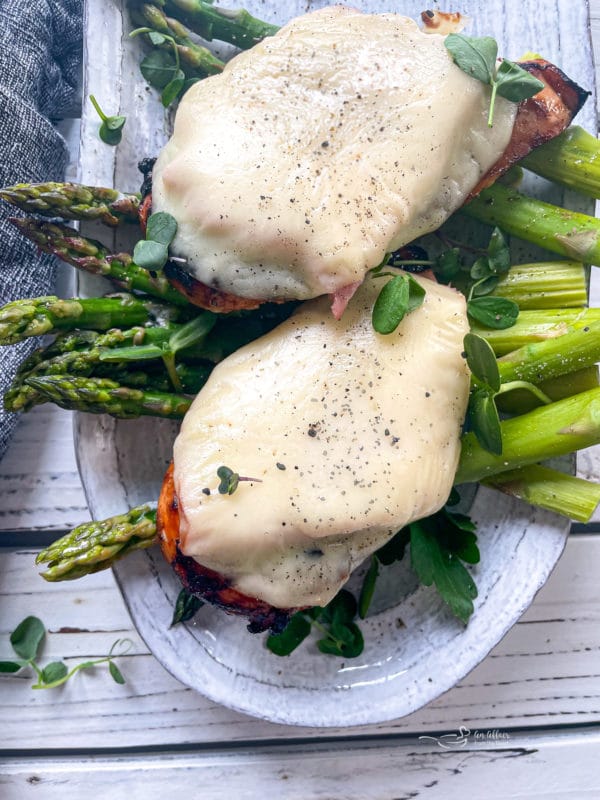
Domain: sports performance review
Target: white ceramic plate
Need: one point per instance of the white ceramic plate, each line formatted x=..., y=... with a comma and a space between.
x=415, y=649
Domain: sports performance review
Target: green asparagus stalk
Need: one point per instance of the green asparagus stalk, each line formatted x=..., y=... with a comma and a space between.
x=540, y=361
x=237, y=27
x=552, y=430
x=519, y=401
x=23, y=396
x=567, y=233
x=572, y=159
x=547, y=488
x=39, y=315
x=91, y=256
x=105, y=396
x=547, y=284
x=196, y=60
x=73, y=201
x=536, y=326
x=95, y=546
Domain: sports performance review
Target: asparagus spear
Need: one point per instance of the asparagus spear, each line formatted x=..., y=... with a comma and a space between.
x=536, y=326
x=572, y=158
x=547, y=488
x=91, y=256
x=519, y=401
x=567, y=233
x=73, y=201
x=94, y=546
x=552, y=430
x=237, y=27
x=39, y=315
x=22, y=395
x=198, y=61
x=105, y=396
x=545, y=284
x=540, y=361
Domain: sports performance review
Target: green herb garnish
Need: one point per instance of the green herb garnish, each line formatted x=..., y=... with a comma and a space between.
x=230, y=480
x=26, y=640
x=152, y=253
x=341, y=636
x=186, y=606
x=111, y=127
x=401, y=295
x=477, y=57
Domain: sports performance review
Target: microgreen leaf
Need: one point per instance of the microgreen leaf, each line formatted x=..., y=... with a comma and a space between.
x=294, y=633
x=493, y=312
x=448, y=265
x=229, y=480
x=150, y=255
x=27, y=637
x=435, y=564
x=115, y=673
x=193, y=332
x=485, y=421
x=498, y=253
x=142, y=352
x=482, y=360
x=516, y=84
x=186, y=606
x=111, y=128
x=475, y=56
x=10, y=666
x=55, y=671
x=161, y=227
x=401, y=295
x=368, y=587
x=480, y=268
x=159, y=68
x=156, y=38
x=351, y=647
x=341, y=609
x=173, y=88
x=484, y=286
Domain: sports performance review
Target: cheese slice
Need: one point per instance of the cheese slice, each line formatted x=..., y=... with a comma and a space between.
x=341, y=138
x=351, y=434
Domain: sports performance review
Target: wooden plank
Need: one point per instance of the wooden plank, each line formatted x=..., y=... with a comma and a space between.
x=538, y=767
x=40, y=486
x=546, y=671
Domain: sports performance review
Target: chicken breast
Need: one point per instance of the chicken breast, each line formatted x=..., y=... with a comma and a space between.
x=346, y=436
x=322, y=148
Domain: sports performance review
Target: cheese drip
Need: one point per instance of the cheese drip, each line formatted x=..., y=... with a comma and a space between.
x=352, y=435
x=313, y=154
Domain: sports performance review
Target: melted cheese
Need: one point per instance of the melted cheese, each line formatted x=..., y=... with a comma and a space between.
x=352, y=435
x=341, y=138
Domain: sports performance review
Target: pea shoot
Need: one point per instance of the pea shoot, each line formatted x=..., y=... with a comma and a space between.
x=111, y=128
x=478, y=58
x=26, y=640
x=152, y=253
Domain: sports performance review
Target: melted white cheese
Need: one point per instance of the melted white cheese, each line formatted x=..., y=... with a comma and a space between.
x=341, y=138
x=352, y=435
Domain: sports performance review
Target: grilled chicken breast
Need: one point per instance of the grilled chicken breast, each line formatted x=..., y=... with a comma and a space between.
x=322, y=148
x=345, y=435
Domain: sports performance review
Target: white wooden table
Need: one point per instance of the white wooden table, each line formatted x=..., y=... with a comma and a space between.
x=532, y=708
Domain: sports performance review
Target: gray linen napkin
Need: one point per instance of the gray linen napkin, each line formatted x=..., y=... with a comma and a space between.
x=40, y=57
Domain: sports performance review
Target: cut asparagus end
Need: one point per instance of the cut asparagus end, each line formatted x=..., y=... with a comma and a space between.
x=571, y=159
x=547, y=488
x=568, y=233
x=552, y=430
